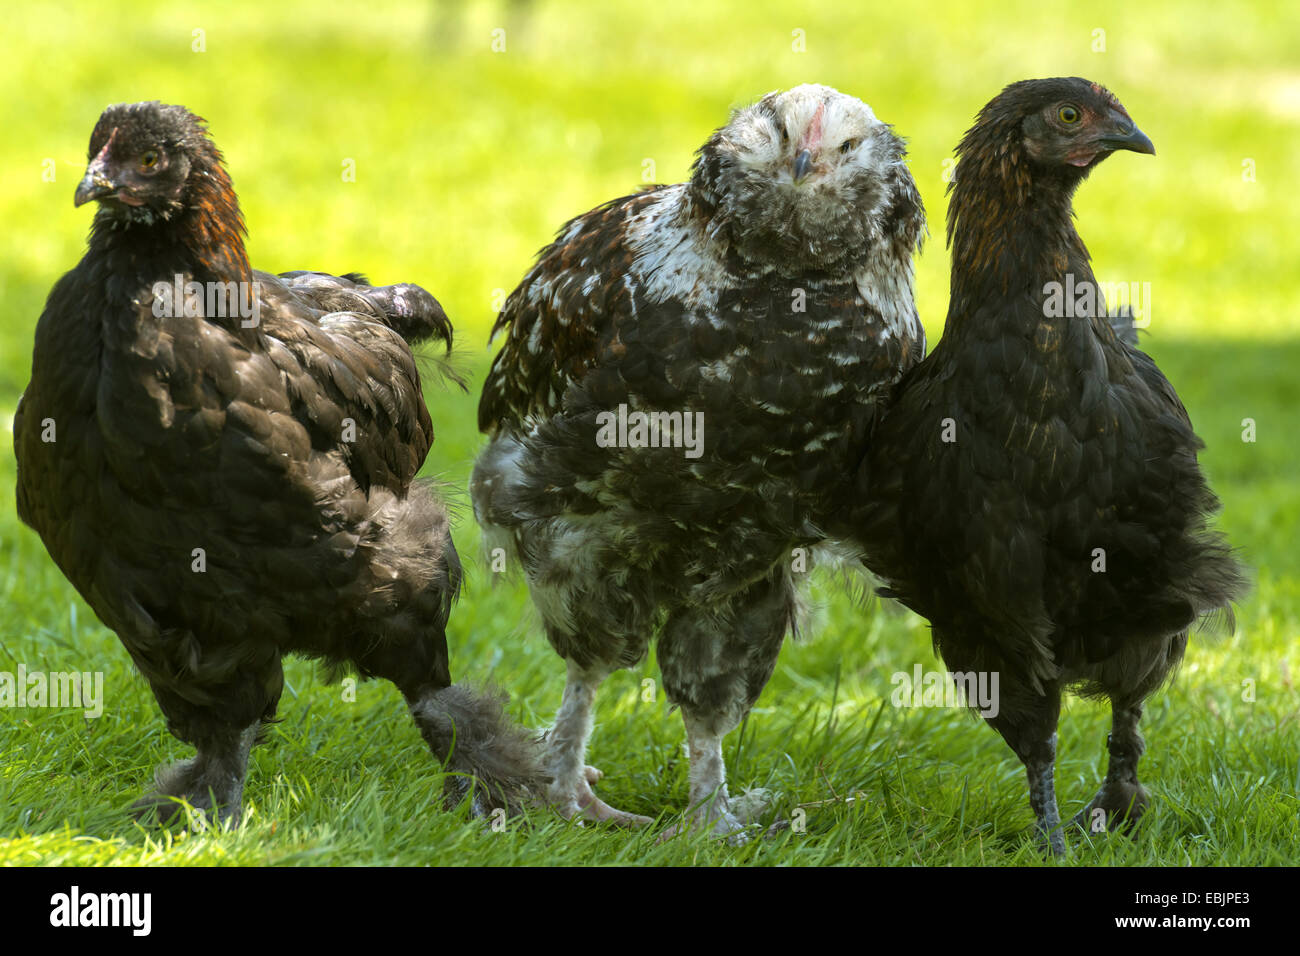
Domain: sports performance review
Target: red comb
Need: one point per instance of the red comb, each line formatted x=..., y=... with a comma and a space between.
x=813, y=136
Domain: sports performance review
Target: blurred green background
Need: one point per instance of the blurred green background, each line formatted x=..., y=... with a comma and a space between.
x=475, y=130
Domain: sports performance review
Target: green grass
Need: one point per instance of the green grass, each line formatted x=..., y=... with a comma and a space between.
x=466, y=162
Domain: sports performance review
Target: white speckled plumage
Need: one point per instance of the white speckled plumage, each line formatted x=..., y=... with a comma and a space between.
x=771, y=295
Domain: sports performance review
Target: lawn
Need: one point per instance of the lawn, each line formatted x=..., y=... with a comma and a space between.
x=466, y=160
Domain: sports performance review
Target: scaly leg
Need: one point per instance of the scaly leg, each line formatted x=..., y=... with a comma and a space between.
x=566, y=743
x=1033, y=738
x=715, y=663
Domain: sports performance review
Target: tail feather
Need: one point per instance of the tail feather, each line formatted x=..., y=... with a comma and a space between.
x=484, y=751
x=407, y=309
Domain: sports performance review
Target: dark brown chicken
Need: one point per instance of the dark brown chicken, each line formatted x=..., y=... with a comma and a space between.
x=223, y=464
x=1034, y=492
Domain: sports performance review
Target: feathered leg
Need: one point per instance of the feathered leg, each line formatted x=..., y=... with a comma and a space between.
x=484, y=752
x=599, y=613
x=467, y=730
x=221, y=717
x=570, y=790
x=402, y=637
x=212, y=780
x=715, y=664
x=598, y=620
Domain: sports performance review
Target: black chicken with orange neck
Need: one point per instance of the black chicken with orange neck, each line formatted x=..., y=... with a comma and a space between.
x=1034, y=492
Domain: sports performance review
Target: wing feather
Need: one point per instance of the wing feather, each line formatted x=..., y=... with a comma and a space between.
x=351, y=379
x=555, y=321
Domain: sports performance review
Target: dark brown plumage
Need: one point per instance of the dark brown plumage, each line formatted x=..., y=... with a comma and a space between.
x=1034, y=491
x=227, y=474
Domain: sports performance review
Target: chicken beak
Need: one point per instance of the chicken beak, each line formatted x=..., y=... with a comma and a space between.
x=808, y=144
x=96, y=184
x=1126, y=135
x=802, y=165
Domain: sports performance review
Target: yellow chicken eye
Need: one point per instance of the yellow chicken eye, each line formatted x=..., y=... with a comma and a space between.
x=149, y=159
x=1068, y=114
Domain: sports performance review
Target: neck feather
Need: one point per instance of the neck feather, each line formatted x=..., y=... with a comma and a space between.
x=205, y=237
x=1010, y=227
